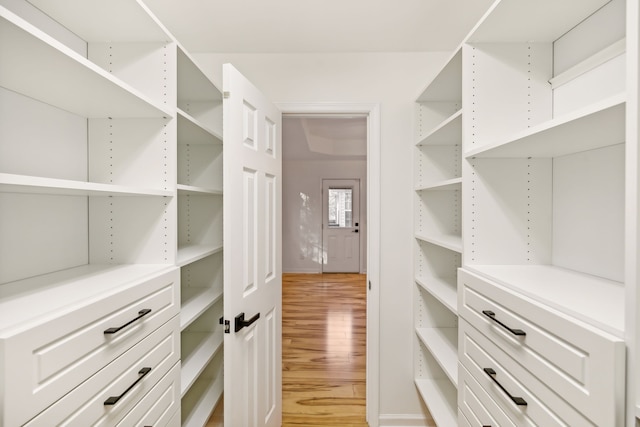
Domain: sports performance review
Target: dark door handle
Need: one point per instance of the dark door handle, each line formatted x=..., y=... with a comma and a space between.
x=517, y=400
x=241, y=323
x=114, y=399
x=355, y=231
x=491, y=315
x=141, y=314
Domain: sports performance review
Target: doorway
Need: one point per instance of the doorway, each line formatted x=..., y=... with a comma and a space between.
x=311, y=249
x=341, y=225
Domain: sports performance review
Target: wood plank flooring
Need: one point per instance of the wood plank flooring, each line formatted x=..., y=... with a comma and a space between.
x=323, y=351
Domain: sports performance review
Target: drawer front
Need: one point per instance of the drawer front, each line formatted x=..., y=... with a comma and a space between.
x=579, y=362
x=476, y=407
x=45, y=362
x=125, y=382
x=522, y=397
x=160, y=407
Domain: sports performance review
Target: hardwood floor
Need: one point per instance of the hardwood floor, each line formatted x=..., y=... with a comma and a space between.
x=323, y=351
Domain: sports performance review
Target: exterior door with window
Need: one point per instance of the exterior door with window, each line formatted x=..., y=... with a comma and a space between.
x=341, y=226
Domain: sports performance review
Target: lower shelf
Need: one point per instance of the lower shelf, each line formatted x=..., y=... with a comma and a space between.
x=441, y=397
x=443, y=345
x=198, y=404
x=198, y=349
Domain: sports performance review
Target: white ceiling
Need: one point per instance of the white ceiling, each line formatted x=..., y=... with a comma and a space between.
x=294, y=26
x=317, y=138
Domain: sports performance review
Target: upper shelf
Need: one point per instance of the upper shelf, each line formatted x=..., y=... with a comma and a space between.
x=105, y=21
x=52, y=73
x=193, y=84
x=447, y=84
x=193, y=131
x=449, y=132
x=11, y=183
x=516, y=21
x=596, y=126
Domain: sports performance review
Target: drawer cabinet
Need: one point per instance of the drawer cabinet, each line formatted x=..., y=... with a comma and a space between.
x=580, y=363
x=516, y=393
x=130, y=386
x=43, y=361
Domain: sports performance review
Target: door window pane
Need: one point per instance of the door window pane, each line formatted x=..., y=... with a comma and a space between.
x=340, y=202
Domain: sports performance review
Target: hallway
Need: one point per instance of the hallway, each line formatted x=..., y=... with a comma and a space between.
x=323, y=350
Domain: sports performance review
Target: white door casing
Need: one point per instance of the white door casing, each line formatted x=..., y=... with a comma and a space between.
x=341, y=225
x=252, y=255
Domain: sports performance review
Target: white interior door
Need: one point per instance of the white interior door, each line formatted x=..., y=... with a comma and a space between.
x=252, y=255
x=341, y=225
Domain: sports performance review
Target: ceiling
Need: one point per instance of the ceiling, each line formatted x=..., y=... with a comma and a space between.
x=320, y=138
x=295, y=26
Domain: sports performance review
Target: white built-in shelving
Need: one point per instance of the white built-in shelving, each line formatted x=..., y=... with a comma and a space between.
x=526, y=163
x=200, y=248
x=438, y=239
x=127, y=179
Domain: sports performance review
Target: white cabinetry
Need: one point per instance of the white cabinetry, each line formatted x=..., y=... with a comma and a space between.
x=438, y=240
x=548, y=207
x=110, y=219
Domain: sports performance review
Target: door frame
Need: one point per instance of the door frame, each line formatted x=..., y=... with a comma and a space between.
x=372, y=112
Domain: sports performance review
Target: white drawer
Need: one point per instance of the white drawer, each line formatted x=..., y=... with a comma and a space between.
x=475, y=407
x=43, y=362
x=160, y=407
x=518, y=394
x=579, y=362
x=125, y=380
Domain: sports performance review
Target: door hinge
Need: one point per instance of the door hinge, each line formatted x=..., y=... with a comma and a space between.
x=226, y=94
x=227, y=325
x=369, y=284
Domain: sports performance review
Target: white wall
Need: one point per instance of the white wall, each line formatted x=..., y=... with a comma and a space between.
x=394, y=80
x=302, y=210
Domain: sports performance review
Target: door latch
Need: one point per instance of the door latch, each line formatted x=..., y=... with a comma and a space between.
x=227, y=325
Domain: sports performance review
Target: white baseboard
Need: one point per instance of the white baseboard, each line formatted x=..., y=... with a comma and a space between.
x=405, y=420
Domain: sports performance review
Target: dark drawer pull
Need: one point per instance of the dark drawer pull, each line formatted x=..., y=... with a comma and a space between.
x=491, y=315
x=114, y=399
x=141, y=314
x=517, y=400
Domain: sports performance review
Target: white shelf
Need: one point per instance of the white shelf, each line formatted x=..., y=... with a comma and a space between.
x=453, y=243
x=206, y=394
x=10, y=183
x=616, y=49
x=511, y=21
x=596, y=126
x=442, y=289
x=196, y=301
x=193, y=84
x=31, y=300
x=447, y=84
x=197, y=191
x=202, y=346
x=594, y=300
x=441, y=398
x=193, y=131
x=443, y=345
x=447, y=185
x=193, y=253
x=52, y=73
x=449, y=132
x=99, y=21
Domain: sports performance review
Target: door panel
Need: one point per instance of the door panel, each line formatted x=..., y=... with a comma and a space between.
x=341, y=225
x=252, y=255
